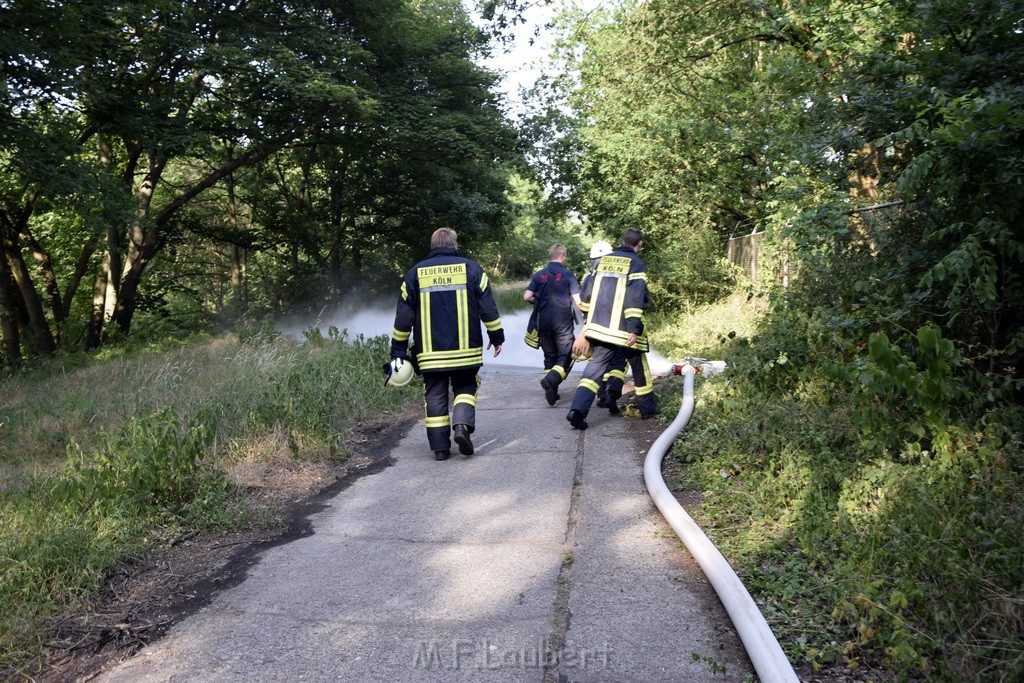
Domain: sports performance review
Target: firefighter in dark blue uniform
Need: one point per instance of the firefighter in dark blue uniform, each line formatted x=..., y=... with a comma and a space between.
x=614, y=301
x=444, y=299
x=555, y=294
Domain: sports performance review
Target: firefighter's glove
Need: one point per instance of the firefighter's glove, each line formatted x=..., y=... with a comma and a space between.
x=582, y=348
x=408, y=357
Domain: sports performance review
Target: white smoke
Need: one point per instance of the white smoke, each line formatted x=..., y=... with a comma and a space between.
x=351, y=317
x=372, y=319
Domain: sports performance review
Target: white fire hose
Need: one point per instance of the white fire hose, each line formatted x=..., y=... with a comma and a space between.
x=765, y=653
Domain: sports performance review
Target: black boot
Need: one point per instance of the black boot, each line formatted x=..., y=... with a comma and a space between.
x=550, y=391
x=611, y=402
x=442, y=455
x=461, y=435
x=576, y=419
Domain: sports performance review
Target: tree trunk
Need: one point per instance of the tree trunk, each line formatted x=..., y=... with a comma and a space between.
x=334, y=260
x=357, y=252
x=239, y=294
x=94, y=335
x=337, y=220
x=13, y=227
x=867, y=172
x=44, y=341
x=128, y=295
x=8, y=318
x=142, y=246
x=104, y=293
x=334, y=257
x=49, y=280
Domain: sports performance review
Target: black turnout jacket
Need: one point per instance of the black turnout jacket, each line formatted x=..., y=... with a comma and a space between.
x=444, y=299
x=615, y=298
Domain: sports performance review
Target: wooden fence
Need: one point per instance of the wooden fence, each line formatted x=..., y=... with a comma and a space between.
x=742, y=251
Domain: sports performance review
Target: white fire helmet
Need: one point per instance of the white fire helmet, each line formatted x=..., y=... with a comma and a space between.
x=600, y=248
x=398, y=372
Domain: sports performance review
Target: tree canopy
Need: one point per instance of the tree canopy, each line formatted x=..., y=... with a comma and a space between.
x=148, y=140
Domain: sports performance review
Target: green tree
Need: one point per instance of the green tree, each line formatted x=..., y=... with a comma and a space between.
x=321, y=132
x=685, y=116
x=532, y=229
x=945, y=97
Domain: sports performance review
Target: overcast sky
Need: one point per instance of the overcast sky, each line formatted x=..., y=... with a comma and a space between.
x=520, y=64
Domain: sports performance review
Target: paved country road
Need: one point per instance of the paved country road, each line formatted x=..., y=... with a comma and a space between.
x=539, y=558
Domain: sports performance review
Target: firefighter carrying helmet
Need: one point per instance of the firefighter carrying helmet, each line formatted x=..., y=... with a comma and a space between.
x=600, y=248
x=397, y=372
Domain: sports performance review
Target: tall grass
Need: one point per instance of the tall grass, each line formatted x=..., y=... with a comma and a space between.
x=872, y=532
x=705, y=331
x=102, y=460
x=509, y=296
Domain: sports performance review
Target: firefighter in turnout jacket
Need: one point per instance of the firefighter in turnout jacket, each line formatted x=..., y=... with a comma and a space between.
x=614, y=301
x=444, y=299
x=555, y=294
x=616, y=375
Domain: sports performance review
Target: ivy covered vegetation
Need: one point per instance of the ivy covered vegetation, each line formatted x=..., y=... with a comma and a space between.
x=168, y=168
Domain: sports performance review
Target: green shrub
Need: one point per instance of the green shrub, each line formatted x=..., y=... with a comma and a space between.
x=152, y=462
x=869, y=494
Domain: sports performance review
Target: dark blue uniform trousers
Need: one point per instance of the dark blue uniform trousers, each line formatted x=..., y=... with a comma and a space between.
x=557, y=333
x=464, y=384
x=600, y=363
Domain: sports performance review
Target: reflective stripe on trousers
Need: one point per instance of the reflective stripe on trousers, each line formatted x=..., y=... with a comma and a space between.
x=601, y=363
x=464, y=384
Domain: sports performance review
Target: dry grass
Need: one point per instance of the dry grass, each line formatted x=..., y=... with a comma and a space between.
x=266, y=461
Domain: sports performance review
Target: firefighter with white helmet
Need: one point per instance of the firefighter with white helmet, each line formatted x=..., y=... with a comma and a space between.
x=614, y=300
x=615, y=377
x=600, y=248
